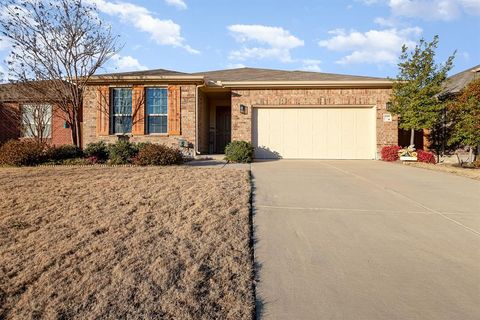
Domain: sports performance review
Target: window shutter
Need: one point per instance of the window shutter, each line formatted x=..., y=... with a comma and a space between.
x=103, y=111
x=174, y=122
x=138, y=110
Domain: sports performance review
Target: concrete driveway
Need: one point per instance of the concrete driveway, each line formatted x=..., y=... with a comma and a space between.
x=365, y=240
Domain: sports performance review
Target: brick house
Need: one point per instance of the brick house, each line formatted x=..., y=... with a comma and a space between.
x=287, y=114
x=16, y=102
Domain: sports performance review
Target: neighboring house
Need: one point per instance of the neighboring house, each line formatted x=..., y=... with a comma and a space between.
x=23, y=114
x=455, y=84
x=287, y=114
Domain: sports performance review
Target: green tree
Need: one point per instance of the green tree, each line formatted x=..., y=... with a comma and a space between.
x=415, y=90
x=464, y=118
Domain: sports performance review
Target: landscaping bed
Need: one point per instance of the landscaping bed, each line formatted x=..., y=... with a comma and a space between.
x=125, y=243
x=473, y=173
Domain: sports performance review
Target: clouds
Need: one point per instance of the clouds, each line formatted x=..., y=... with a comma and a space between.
x=374, y=46
x=163, y=32
x=266, y=42
x=311, y=65
x=443, y=10
x=179, y=4
x=126, y=63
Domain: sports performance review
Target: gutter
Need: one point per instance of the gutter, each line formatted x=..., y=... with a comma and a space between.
x=307, y=84
x=145, y=79
x=195, y=148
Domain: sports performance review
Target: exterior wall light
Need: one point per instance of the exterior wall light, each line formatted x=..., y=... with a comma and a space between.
x=243, y=109
x=389, y=106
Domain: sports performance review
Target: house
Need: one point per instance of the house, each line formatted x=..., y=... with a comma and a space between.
x=287, y=114
x=455, y=84
x=25, y=112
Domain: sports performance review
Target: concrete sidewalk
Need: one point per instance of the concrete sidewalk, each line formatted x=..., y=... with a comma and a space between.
x=365, y=240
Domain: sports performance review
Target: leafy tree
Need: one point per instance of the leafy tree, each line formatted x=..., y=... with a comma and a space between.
x=57, y=45
x=464, y=118
x=417, y=85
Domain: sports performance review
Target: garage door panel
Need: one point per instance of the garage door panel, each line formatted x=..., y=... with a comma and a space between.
x=314, y=133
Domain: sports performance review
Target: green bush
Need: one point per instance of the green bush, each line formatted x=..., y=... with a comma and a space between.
x=63, y=152
x=121, y=152
x=239, y=151
x=21, y=153
x=97, y=150
x=158, y=155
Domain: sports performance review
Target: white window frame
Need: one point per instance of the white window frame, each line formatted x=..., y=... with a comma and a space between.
x=27, y=127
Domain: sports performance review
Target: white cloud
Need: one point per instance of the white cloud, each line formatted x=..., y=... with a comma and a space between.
x=235, y=65
x=311, y=65
x=179, y=4
x=163, y=32
x=127, y=63
x=275, y=42
x=445, y=10
x=374, y=46
x=427, y=9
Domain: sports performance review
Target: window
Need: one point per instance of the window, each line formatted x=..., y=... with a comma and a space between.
x=37, y=120
x=121, y=110
x=156, y=109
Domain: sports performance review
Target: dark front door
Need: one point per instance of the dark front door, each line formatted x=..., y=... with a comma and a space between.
x=222, y=128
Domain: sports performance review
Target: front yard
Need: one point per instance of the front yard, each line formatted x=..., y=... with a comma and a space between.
x=125, y=242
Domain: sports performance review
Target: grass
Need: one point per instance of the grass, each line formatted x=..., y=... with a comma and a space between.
x=125, y=243
x=473, y=173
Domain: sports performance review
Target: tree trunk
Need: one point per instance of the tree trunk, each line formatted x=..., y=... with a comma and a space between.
x=412, y=136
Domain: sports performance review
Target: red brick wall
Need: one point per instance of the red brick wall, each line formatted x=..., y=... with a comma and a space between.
x=242, y=123
x=10, y=126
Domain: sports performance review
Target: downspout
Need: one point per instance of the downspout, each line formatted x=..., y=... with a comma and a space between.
x=195, y=149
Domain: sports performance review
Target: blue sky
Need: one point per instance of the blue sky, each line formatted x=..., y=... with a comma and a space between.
x=361, y=37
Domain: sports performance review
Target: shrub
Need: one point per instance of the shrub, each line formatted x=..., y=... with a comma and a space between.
x=63, y=152
x=158, y=155
x=21, y=153
x=425, y=156
x=390, y=153
x=239, y=151
x=476, y=164
x=99, y=150
x=122, y=152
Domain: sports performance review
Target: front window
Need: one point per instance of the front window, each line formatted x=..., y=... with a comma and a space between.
x=37, y=121
x=156, y=109
x=121, y=110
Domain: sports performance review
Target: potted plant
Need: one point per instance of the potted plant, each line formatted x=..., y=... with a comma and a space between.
x=408, y=153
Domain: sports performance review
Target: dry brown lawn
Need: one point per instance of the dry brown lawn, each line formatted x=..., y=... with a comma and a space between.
x=465, y=172
x=125, y=243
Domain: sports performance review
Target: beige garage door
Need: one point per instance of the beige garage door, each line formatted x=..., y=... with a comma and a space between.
x=314, y=133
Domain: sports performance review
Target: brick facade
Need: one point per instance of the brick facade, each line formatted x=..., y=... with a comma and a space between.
x=187, y=116
x=10, y=126
x=387, y=133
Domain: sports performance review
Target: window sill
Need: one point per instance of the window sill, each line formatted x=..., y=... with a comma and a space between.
x=157, y=134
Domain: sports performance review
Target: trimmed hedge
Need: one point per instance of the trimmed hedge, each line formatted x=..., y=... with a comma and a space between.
x=239, y=151
x=425, y=156
x=21, y=153
x=122, y=152
x=63, y=152
x=96, y=150
x=390, y=153
x=158, y=155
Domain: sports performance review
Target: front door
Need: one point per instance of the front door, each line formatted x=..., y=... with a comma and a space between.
x=222, y=128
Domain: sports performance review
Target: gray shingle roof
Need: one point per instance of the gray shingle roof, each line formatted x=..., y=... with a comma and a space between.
x=256, y=74
x=457, y=82
x=251, y=74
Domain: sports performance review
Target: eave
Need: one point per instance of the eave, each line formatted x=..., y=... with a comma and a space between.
x=306, y=84
x=145, y=79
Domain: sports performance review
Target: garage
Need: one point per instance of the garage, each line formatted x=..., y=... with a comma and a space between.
x=314, y=133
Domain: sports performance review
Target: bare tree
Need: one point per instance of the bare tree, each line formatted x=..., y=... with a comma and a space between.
x=57, y=45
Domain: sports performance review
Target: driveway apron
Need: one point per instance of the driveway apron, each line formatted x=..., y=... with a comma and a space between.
x=365, y=240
